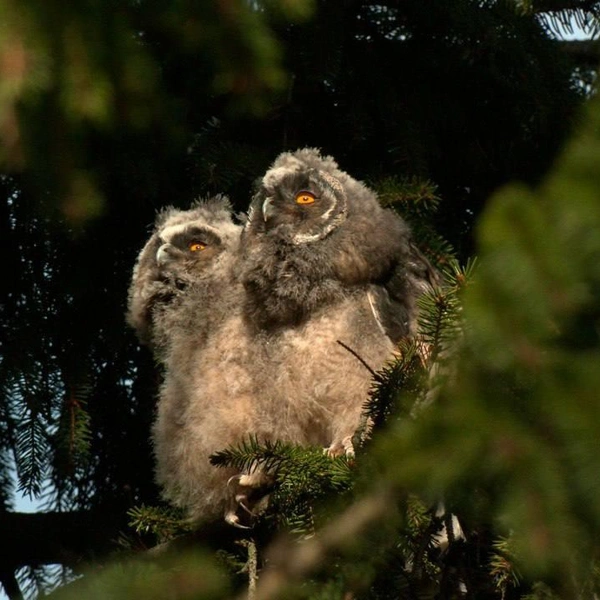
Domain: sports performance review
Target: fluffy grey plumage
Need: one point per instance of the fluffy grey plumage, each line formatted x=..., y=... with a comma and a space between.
x=188, y=248
x=185, y=302
x=323, y=263
x=273, y=335
x=314, y=234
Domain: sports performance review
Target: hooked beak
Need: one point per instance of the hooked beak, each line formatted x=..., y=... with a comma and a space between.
x=163, y=255
x=267, y=209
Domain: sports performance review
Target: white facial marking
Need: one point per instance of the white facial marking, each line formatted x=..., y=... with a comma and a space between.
x=168, y=232
x=327, y=213
x=332, y=181
x=304, y=238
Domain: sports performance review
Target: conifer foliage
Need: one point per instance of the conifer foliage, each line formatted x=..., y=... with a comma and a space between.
x=476, y=471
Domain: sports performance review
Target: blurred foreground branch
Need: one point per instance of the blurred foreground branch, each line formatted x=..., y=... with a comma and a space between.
x=289, y=562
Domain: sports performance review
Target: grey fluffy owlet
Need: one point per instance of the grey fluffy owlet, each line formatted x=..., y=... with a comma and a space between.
x=331, y=282
x=251, y=338
x=187, y=248
x=184, y=300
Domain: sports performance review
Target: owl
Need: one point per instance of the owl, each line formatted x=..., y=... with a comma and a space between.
x=184, y=301
x=314, y=233
x=331, y=280
x=187, y=249
x=274, y=332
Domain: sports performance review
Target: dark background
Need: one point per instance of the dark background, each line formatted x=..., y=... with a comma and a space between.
x=114, y=110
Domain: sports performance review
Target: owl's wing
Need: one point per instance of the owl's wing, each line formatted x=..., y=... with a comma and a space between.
x=395, y=298
x=423, y=276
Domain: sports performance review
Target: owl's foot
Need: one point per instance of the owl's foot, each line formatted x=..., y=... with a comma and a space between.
x=248, y=498
x=343, y=447
x=232, y=519
x=256, y=479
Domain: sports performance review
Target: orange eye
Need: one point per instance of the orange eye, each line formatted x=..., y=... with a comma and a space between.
x=196, y=246
x=305, y=197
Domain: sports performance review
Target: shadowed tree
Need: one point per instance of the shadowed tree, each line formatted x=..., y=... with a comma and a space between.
x=109, y=111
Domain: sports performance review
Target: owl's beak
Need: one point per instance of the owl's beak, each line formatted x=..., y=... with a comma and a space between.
x=163, y=255
x=267, y=209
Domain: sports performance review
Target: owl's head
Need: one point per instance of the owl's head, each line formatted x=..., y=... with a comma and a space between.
x=187, y=242
x=301, y=199
x=187, y=247
x=314, y=235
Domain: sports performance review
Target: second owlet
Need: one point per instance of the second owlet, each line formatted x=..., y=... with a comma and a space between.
x=184, y=301
x=187, y=249
x=331, y=281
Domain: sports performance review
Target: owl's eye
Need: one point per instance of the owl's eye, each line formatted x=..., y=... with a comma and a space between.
x=196, y=246
x=304, y=197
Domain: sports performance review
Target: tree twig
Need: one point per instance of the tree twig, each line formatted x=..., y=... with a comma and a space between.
x=358, y=357
x=11, y=585
x=288, y=562
x=252, y=568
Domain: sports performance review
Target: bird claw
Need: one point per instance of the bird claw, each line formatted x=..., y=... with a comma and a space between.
x=232, y=519
x=240, y=499
x=256, y=479
x=237, y=501
x=343, y=447
x=247, y=498
x=237, y=477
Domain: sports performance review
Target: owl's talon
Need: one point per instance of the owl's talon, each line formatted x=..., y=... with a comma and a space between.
x=232, y=519
x=247, y=496
x=237, y=477
x=343, y=447
x=242, y=505
x=256, y=479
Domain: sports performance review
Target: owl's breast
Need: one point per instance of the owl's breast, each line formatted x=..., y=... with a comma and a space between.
x=321, y=369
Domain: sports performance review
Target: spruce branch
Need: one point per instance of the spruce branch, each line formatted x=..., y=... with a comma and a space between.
x=395, y=387
x=73, y=436
x=306, y=467
x=250, y=454
x=301, y=476
x=502, y=566
x=360, y=359
x=440, y=322
x=415, y=196
x=67, y=538
x=11, y=585
x=417, y=201
x=31, y=453
x=164, y=523
x=289, y=562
